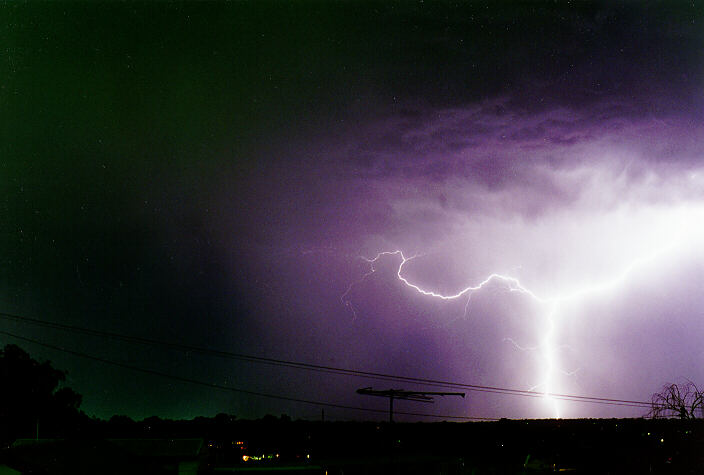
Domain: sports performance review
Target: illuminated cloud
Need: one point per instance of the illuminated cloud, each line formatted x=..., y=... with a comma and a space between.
x=575, y=209
x=216, y=176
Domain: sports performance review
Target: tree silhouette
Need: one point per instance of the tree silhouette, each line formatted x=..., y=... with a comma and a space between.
x=31, y=394
x=682, y=400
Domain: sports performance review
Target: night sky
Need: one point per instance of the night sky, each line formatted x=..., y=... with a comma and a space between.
x=221, y=175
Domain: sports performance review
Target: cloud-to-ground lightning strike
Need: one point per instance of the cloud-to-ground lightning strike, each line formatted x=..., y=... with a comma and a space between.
x=547, y=347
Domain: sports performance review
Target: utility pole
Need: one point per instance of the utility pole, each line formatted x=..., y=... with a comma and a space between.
x=419, y=396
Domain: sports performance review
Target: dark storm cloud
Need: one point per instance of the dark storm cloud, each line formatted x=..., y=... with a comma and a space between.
x=210, y=172
x=499, y=127
x=493, y=146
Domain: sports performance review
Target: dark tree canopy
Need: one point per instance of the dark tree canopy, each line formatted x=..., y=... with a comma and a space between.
x=31, y=393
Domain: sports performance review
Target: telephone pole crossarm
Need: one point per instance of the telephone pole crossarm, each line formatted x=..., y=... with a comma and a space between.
x=391, y=394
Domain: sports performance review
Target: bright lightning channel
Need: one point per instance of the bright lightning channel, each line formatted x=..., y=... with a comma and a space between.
x=547, y=347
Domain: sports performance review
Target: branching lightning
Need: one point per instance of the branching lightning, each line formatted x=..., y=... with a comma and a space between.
x=548, y=347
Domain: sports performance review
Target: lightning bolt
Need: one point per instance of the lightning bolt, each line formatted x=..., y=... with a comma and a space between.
x=669, y=229
x=548, y=347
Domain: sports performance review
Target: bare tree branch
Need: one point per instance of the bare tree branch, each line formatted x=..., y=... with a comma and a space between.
x=683, y=400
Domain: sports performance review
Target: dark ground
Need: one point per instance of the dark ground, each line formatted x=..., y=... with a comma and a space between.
x=605, y=446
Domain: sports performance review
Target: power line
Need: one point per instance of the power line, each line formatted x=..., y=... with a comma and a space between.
x=330, y=369
x=222, y=387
